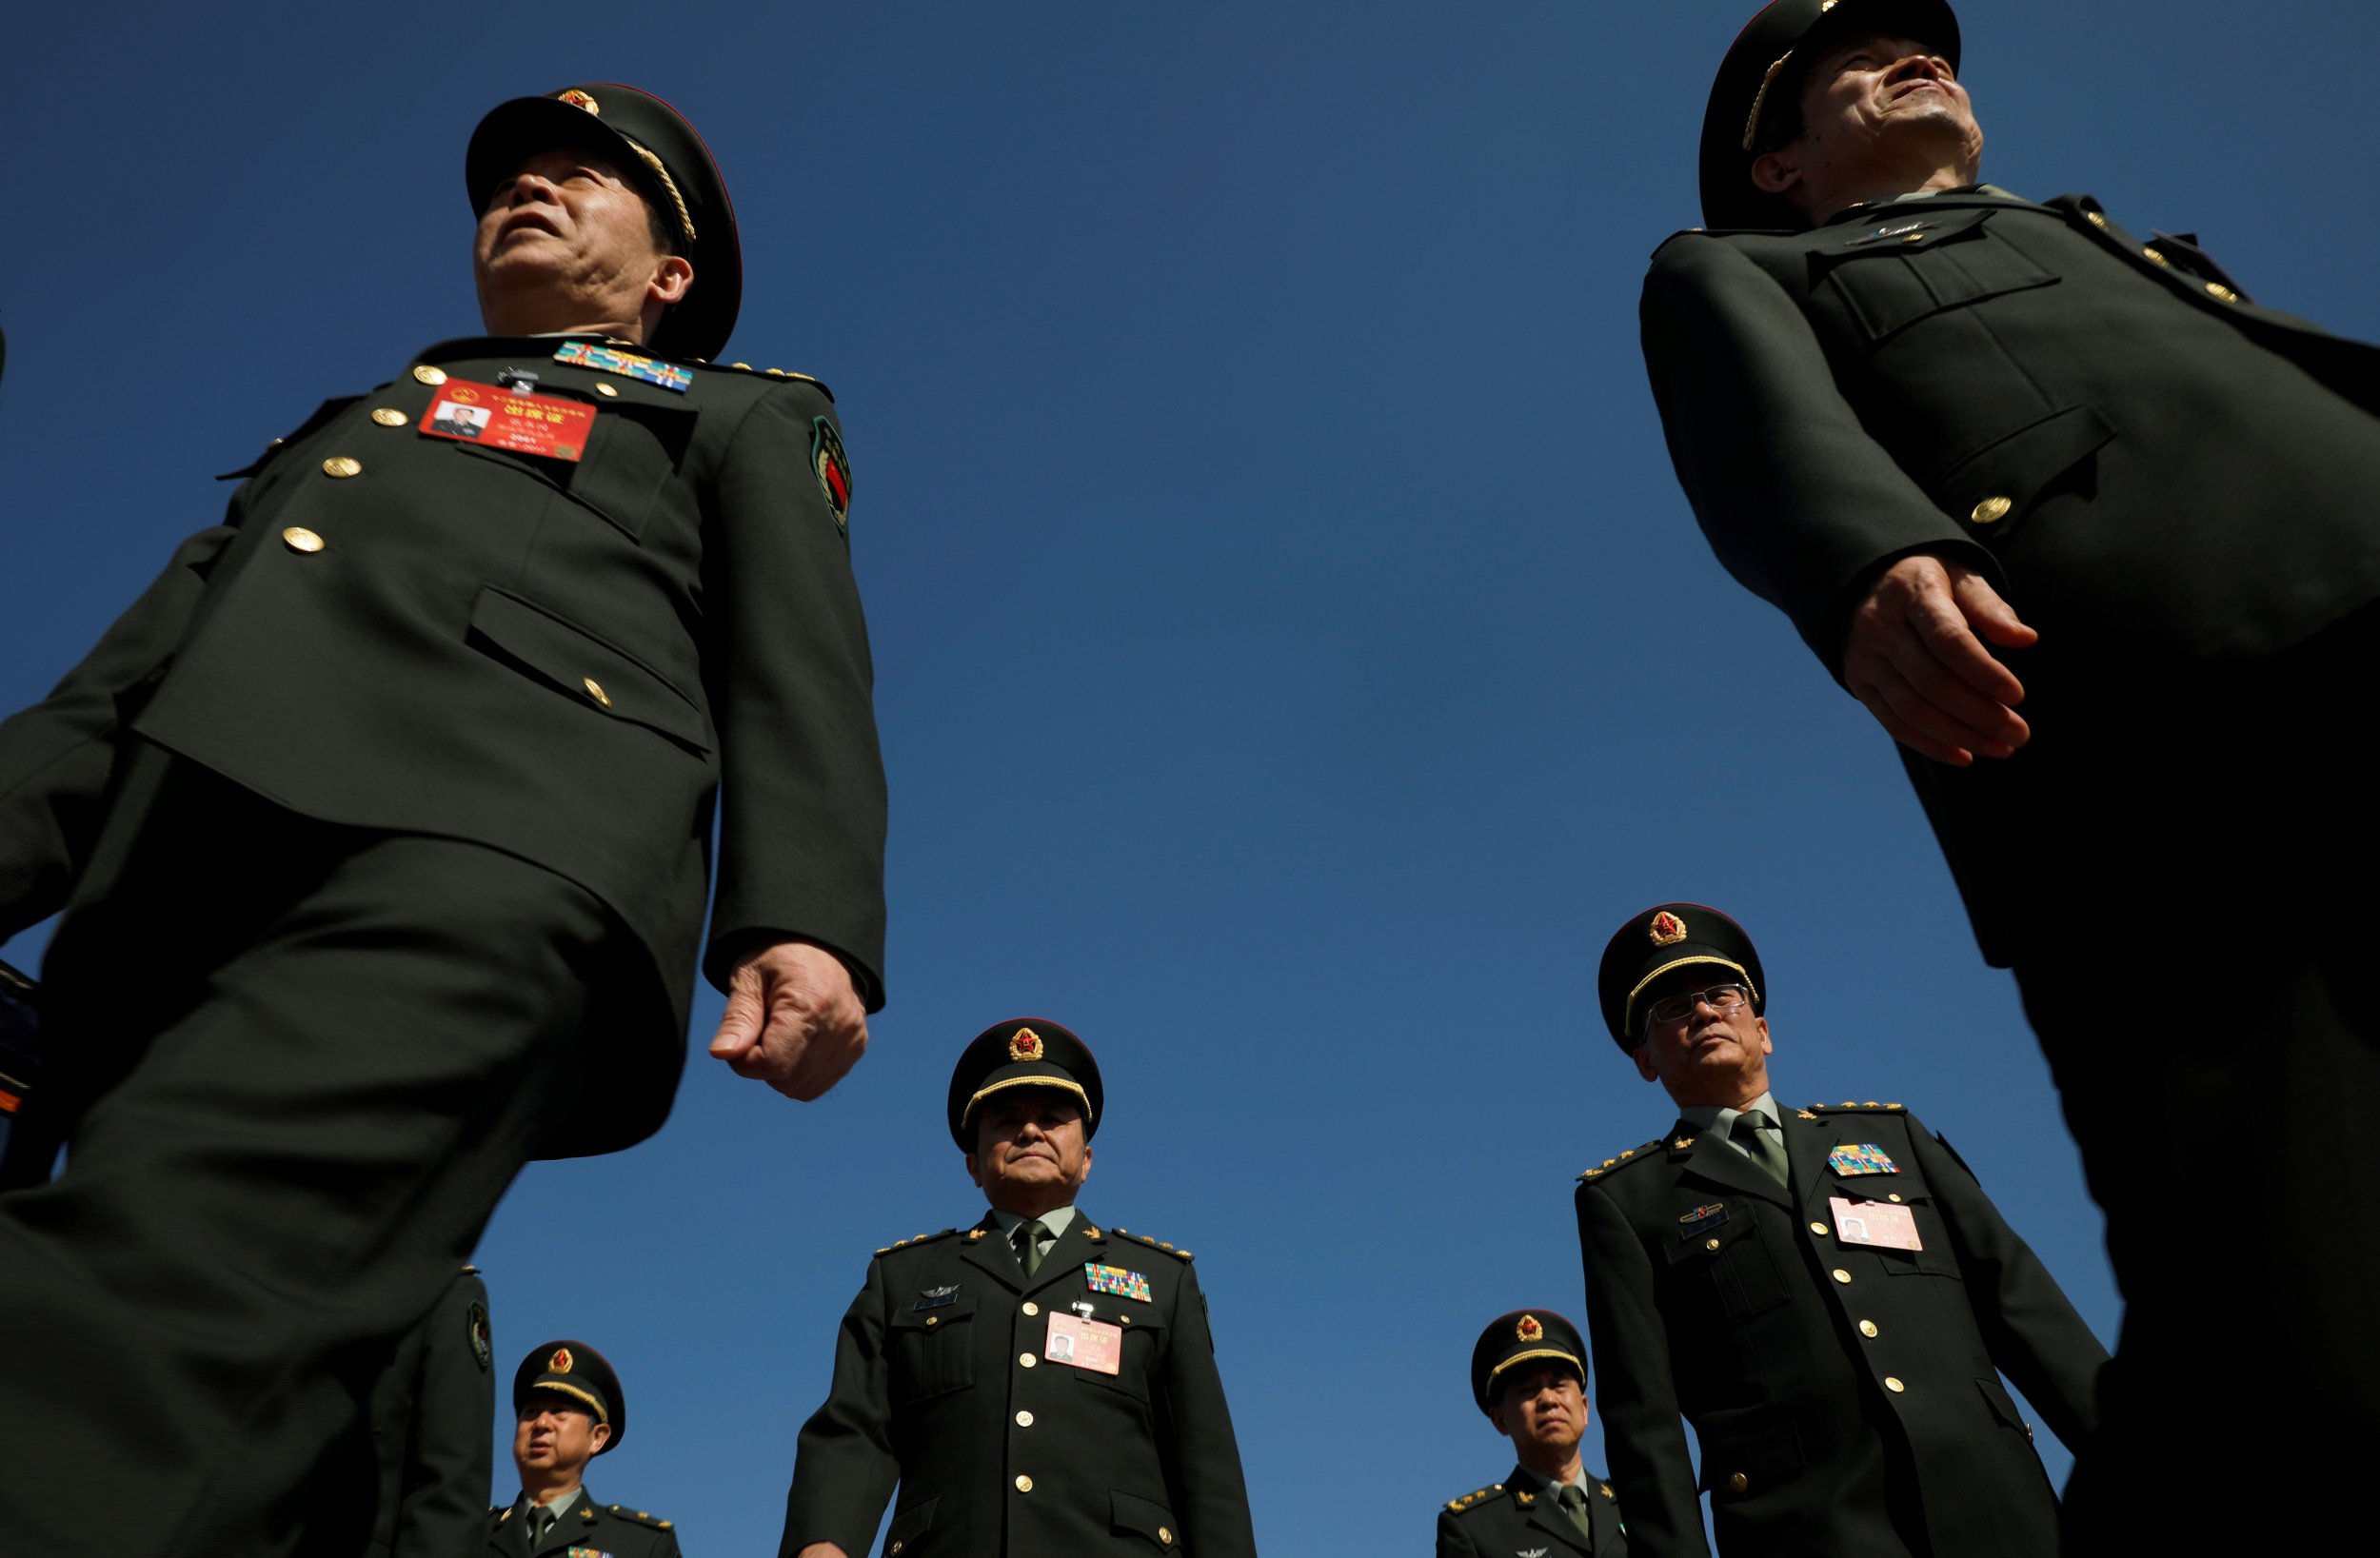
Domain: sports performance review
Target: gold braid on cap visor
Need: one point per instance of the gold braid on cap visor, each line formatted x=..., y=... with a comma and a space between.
x=589, y=1396
x=669, y=188
x=1569, y=1358
x=1628, y=1013
x=1058, y=1082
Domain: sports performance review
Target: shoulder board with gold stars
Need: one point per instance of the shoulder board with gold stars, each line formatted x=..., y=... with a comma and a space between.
x=1153, y=1244
x=819, y=384
x=639, y=1516
x=915, y=1238
x=1632, y=1154
x=1472, y=1500
x=1870, y=1107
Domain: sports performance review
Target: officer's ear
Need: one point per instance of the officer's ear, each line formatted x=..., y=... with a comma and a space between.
x=1496, y=1415
x=1642, y=1055
x=672, y=276
x=974, y=1171
x=601, y=1436
x=1775, y=172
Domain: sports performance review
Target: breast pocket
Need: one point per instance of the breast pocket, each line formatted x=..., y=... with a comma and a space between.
x=1731, y=1264
x=933, y=1352
x=1143, y=1343
x=1891, y=276
x=632, y=455
x=1906, y=1190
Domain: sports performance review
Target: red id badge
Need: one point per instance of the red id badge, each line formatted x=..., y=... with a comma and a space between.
x=1875, y=1223
x=546, y=426
x=1085, y=1344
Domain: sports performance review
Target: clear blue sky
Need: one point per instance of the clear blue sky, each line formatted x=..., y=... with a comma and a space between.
x=1293, y=654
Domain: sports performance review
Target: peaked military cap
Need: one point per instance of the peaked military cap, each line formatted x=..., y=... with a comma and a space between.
x=1524, y=1336
x=577, y=1370
x=673, y=170
x=1765, y=62
x=1670, y=946
x=1023, y=1052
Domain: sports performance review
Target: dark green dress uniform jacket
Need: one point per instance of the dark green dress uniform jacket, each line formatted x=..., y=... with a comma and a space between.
x=942, y=1385
x=432, y=1414
x=588, y=1531
x=1511, y=1519
x=1840, y=1392
x=559, y=661
x=2157, y=473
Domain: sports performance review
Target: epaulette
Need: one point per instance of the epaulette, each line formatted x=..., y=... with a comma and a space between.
x=1472, y=1500
x=769, y=373
x=640, y=1518
x=1871, y=1104
x=915, y=1238
x=1610, y=1163
x=1153, y=1244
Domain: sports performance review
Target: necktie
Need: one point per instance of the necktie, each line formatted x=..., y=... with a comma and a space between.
x=1028, y=1237
x=1757, y=1144
x=538, y=1522
x=1573, y=1502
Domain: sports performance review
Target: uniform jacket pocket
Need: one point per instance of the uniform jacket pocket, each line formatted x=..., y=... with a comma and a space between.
x=908, y=1526
x=1916, y=264
x=576, y=662
x=1735, y=1259
x=1132, y=1515
x=1992, y=490
x=933, y=1351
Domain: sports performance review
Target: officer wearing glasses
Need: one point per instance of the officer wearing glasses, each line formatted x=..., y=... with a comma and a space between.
x=1825, y=1294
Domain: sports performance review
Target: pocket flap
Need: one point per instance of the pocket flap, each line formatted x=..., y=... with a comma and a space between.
x=1139, y=1516
x=908, y=1524
x=2003, y=1405
x=931, y=1319
x=574, y=661
x=1747, y=1464
x=1898, y=272
x=1993, y=490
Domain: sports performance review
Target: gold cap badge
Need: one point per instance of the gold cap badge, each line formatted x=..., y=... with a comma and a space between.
x=578, y=99
x=1026, y=1045
x=1529, y=1329
x=1667, y=929
x=559, y=1363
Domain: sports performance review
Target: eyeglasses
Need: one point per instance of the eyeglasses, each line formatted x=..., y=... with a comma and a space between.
x=1722, y=998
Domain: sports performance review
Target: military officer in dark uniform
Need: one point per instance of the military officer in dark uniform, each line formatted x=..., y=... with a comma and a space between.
x=1826, y=1293
x=570, y=1409
x=1990, y=453
x=398, y=785
x=1529, y=1374
x=430, y=1417
x=1038, y=1384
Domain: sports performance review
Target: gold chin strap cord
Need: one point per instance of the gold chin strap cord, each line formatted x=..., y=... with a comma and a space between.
x=685, y=221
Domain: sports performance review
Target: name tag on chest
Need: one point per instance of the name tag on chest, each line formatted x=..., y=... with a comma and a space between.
x=495, y=417
x=1085, y=1343
x=1876, y=1224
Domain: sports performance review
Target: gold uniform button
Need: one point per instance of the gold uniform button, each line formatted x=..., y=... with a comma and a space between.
x=2219, y=290
x=1164, y=1537
x=1893, y=1385
x=606, y=391
x=1894, y=1197
x=1026, y=1360
x=933, y=1319
x=1030, y=1307
x=1992, y=510
x=298, y=538
x=894, y=1552
x=1737, y=1482
x=1024, y=1484
x=2158, y=255
x=429, y=375
x=343, y=465
x=388, y=416
x=595, y=691
x=1820, y=1229
x=1711, y=1244
x=1867, y=1327
x=2096, y=220
x=1841, y=1275
x=1025, y=1420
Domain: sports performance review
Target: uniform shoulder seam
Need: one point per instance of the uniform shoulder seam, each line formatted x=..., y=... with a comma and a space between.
x=1632, y=1154
x=916, y=1239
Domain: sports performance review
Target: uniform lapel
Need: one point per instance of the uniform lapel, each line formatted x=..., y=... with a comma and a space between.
x=1067, y=1254
x=1544, y=1513
x=1807, y=1143
x=991, y=1254
x=1708, y=1157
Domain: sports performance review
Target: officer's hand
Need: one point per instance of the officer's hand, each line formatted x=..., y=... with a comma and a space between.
x=793, y=1020
x=821, y=1549
x=1913, y=658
